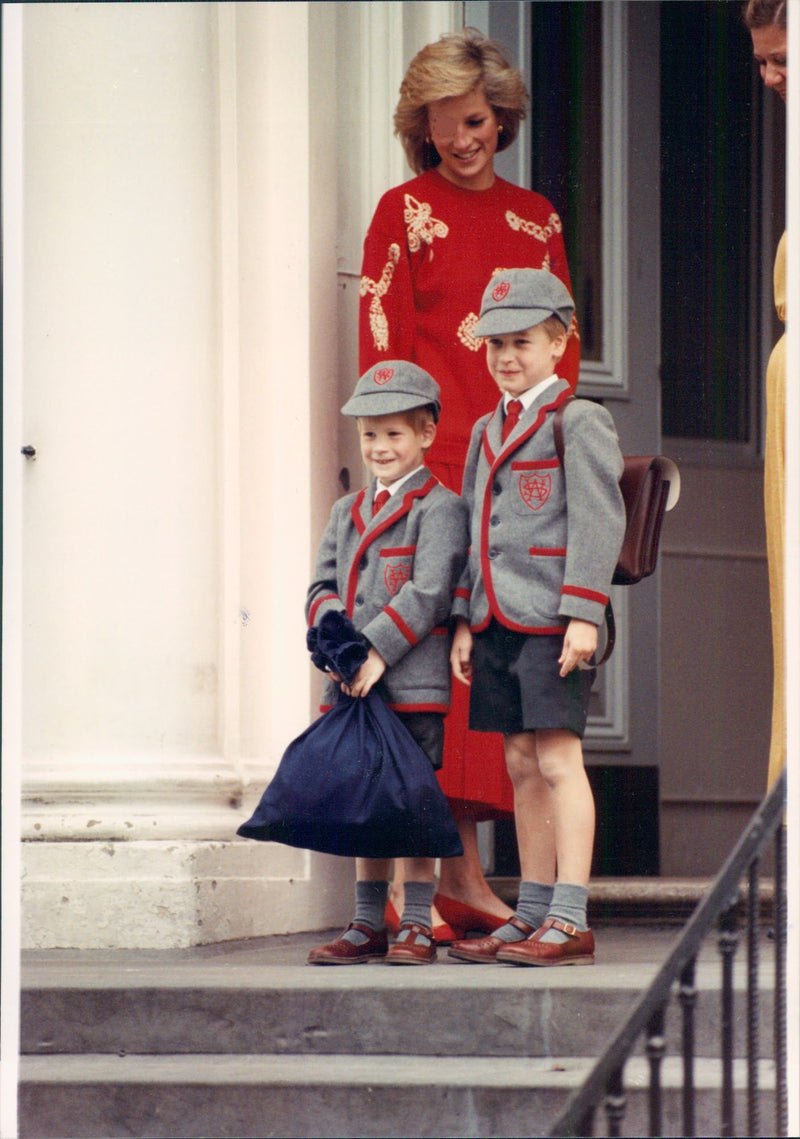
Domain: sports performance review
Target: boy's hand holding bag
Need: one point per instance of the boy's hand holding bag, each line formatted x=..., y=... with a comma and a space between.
x=355, y=782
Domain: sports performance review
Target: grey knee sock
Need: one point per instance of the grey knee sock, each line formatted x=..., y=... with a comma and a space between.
x=370, y=909
x=417, y=902
x=568, y=905
x=532, y=907
x=533, y=903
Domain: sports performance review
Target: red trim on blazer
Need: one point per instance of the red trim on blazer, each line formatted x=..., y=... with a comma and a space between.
x=487, y=450
x=532, y=630
x=439, y=631
x=313, y=610
x=536, y=465
x=586, y=594
x=397, y=552
x=405, y=629
x=443, y=708
x=548, y=552
x=355, y=511
x=375, y=532
x=464, y=594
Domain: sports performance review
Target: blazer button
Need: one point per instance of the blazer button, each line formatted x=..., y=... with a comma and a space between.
x=496, y=488
x=494, y=520
x=492, y=553
x=359, y=599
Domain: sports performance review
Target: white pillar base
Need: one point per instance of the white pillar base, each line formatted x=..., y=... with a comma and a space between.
x=165, y=872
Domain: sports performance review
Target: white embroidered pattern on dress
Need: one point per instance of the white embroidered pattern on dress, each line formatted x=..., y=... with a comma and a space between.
x=420, y=226
x=466, y=333
x=379, y=325
x=540, y=232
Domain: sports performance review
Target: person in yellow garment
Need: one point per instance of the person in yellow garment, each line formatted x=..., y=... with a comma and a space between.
x=766, y=21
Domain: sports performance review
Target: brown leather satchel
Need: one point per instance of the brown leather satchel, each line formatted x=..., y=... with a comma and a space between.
x=650, y=485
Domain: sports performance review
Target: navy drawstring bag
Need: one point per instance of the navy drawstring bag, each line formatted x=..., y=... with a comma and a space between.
x=355, y=782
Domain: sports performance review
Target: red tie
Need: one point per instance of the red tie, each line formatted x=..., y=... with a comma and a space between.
x=512, y=417
x=381, y=498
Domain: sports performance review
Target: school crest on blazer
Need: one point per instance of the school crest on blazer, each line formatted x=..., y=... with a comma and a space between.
x=397, y=568
x=535, y=488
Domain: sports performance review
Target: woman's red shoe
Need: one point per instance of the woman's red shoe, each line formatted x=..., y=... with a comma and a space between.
x=465, y=917
x=443, y=934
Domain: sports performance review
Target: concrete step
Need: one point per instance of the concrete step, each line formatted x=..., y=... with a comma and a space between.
x=101, y=1097
x=248, y=1001
x=244, y=1040
x=548, y=1012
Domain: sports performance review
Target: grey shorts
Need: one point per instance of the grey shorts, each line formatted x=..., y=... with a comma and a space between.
x=427, y=729
x=516, y=686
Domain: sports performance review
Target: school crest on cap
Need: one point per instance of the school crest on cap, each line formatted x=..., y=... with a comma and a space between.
x=391, y=386
x=517, y=299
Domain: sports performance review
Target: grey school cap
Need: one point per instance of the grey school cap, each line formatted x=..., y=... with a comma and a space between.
x=521, y=298
x=392, y=386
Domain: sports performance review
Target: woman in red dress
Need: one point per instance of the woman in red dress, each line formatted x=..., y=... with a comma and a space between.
x=432, y=246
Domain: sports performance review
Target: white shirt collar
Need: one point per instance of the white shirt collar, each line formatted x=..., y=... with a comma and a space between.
x=395, y=486
x=527, y=397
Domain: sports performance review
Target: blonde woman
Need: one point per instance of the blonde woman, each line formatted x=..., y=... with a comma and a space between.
x=766, y=20
x=432, y=246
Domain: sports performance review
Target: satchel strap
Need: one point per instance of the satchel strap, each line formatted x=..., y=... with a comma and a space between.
x=558, y=439
x=558, y=429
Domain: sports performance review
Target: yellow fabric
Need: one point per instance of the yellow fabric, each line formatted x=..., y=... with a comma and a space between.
x=775, y=512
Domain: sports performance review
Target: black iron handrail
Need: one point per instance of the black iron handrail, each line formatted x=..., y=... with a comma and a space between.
x=605, y=1082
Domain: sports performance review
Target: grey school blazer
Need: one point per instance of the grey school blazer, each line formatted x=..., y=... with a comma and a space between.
x=395, y=575
x=543, y=549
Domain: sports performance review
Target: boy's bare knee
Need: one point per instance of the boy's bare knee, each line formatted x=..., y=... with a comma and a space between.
x=560, y=755
x=522, y=761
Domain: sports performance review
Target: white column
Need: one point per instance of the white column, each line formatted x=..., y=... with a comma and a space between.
x=173, y=320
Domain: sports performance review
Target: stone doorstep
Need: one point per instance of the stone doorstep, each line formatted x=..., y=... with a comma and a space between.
x=669, y=900
x=386, y=1096
x=259, y=997
x=482, y=1022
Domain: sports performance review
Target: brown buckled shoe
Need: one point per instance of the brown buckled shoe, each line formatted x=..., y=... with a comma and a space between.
x=577, y=950
x=341, y=952
x=412, y=951
x=484, y=950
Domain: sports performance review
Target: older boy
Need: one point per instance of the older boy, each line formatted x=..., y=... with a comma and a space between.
x=544, y=546
x=391, y=557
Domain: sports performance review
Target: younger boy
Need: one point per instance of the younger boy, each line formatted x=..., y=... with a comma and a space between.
x=544, y=545
x=391, y=557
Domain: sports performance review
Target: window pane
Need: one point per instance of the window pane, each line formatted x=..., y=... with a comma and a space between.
x=566, y=133
x=708, y=224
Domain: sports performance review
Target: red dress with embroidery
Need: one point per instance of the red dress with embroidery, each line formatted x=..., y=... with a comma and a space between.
x=429, y=253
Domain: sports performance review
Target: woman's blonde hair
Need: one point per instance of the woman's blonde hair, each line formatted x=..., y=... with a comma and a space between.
x=764, y=13
x=455, y=65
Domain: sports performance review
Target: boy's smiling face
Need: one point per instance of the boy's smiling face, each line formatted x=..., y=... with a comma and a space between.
x=391, y=447
x=518, y=361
